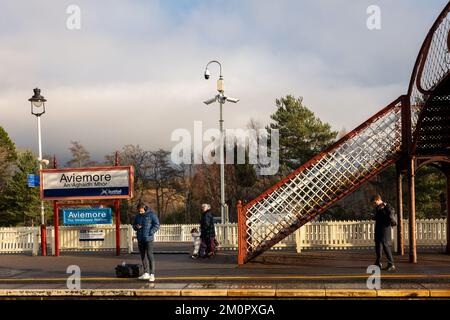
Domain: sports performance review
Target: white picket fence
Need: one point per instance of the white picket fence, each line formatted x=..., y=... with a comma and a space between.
x=19, y=240
x=345, y=235
x=226, y=234
x=330, y=235
x=69, y=238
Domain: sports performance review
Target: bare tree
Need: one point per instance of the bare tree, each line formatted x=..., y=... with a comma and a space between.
x=188, y=188
x=342, y=133
x=80, y=156
x=134, y=155
x=156, y=180
x=166, y=179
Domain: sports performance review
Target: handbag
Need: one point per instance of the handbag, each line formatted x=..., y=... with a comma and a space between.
x=127, y=270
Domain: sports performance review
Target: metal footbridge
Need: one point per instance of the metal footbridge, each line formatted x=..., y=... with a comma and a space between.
x=410, y=132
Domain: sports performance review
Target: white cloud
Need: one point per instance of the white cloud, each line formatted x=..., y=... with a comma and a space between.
x=134, y=72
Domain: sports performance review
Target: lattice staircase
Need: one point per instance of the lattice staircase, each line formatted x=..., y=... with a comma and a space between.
x=319, y=183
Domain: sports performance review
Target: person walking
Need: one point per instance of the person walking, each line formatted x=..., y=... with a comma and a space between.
x=146, y=224
x=384, y=220
x=207, y=232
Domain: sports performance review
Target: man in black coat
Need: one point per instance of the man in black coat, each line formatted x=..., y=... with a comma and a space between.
x=207, y=232
x=384, y=220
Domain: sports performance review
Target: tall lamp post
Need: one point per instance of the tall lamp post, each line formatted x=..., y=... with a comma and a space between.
x=221, y=98
x=38, y=109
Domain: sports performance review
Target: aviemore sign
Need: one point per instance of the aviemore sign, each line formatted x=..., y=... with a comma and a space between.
x=78, y=216
x=87, y=183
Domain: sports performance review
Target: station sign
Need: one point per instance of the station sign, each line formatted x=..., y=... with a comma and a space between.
x=87, y=183
x=92, y=235
x=87, y=216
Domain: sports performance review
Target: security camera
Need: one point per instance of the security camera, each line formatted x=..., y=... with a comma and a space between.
x=209, y=101
x=234, y=100
x=45, y=162
x=207, y=74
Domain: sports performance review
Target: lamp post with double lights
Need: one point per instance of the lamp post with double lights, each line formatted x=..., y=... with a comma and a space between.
x=221, y=98
x=38, y=109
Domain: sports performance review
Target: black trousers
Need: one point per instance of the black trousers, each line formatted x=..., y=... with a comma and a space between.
x=148, y=260
x=383, y=245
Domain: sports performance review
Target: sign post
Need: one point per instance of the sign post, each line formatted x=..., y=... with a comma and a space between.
x=87, y=183
x=117, y=209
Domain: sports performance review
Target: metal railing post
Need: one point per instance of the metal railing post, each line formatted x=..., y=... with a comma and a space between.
x=242, y=234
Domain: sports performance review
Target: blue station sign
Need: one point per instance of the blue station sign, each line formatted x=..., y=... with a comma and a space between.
x=87, y=216
x=33, y=180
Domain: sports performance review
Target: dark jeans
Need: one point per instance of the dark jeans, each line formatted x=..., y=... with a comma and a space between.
x=148, y=260
x=384, y=245
x=208, y=246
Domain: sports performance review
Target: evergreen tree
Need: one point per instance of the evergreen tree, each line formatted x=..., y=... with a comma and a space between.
x=8, y=157
x=302, y=134
x=19, y=203
x=430, y=191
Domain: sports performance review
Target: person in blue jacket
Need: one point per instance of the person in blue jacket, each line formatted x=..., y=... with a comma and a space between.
x=146, y=224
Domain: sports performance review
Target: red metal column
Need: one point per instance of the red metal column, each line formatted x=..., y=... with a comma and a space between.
x=400, y=228
x=56, y=226
x=117, y=211
x=43, y=240
x=408, y=161
x=56, y=217
x=242, y=234
x=448, y=210
x=412, y=212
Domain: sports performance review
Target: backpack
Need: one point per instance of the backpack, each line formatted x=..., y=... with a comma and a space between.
x=127, y=270
x=392, y=216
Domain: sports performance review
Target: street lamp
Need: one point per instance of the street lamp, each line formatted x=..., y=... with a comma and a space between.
x=38, y=109
x=221, y=98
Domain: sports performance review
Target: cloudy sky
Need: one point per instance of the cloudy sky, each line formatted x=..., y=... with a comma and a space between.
x=133, y=72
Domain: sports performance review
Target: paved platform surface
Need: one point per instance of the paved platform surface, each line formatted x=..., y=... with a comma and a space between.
x=309, y=274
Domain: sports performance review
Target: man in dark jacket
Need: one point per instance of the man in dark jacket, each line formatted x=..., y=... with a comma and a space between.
x=146, y=224
x=384, y=220
x=207, y=232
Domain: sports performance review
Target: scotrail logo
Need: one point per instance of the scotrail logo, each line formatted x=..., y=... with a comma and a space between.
x=108, y=192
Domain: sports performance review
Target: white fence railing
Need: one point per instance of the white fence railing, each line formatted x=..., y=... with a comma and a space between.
x=226, y=234
x=344, y=235
x=329, y=235
x=69, y=238
x=17, y=240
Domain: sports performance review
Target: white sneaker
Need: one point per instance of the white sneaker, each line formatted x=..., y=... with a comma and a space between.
x=145, y=276
x=151, y=278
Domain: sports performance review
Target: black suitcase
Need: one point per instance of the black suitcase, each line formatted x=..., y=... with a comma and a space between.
x=127, y=271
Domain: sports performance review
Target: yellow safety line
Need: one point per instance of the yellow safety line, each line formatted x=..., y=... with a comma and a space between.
x=221, y=278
